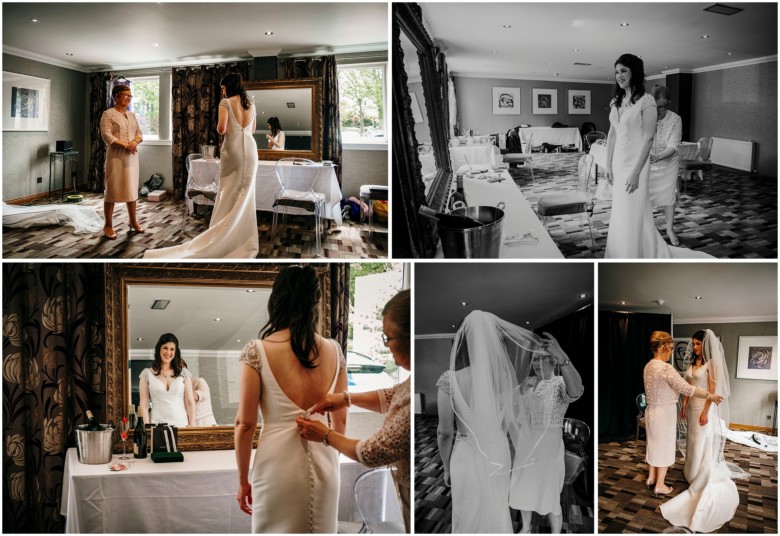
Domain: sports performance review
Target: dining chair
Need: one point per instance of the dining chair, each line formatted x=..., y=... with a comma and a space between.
x=297, y=179
x=591, y=137
x=513, y=159
x=641, y=405
x=570, y=202
x=699, y=165
x=368, y=194
x=377, y=505
x=576, y=434
x=201, y=189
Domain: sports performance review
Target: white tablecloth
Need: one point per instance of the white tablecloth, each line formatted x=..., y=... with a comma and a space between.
x=197, y=495
x=553, y=136
x=267, y=184
x=475, y=155
x=518, y=217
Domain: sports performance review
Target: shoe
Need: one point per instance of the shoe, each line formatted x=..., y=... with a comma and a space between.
x=137, y=228
x=109, y=233
x=649, y=484
x=673, y=240
x=657, y=493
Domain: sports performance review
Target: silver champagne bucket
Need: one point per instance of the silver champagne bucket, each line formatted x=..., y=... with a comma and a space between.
x=483, y=242
x=94, y=447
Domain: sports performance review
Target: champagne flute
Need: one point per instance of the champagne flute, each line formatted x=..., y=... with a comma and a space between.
x=124, y=429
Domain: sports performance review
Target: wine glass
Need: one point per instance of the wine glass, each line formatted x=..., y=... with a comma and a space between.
x=124, y=429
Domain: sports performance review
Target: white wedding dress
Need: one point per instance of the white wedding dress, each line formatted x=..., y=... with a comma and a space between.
x=632, y=232
x=232, y=233
x=295, y=482
x=167, y=403
x=712, y=498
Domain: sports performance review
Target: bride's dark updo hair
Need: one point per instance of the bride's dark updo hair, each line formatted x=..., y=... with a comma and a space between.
x=234, y=85
x=295, y=304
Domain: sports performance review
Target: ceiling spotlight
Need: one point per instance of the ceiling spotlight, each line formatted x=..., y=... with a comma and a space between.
x=34, y=21
x=659, y=302
x=238, y=340
x=730, y=53
x=140, y=339
x=624, y=24
x=705, y=36
x=250, y=290
x=464, y=304
x=697, y=297
x=269, y=33
x=527, y=323
x=557, y=74
x=666, y=66
x=217, y=320
x=622, y=302
x=494, y=51
x=575, y=50
x=583, y=295
x=69, y=53
x=506, y=26
x=155, y=44
x=453, y=325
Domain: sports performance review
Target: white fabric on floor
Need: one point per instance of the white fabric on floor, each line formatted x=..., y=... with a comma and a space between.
x=83, y=219
x=763, y=442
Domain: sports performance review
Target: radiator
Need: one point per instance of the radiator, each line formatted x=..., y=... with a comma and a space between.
x=734, y=154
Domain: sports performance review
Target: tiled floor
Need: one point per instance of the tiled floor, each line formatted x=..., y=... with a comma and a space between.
x=163, y=228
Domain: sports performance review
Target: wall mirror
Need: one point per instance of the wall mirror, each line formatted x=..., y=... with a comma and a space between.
x=422, y=170
x=189, y=300
x=298, y=105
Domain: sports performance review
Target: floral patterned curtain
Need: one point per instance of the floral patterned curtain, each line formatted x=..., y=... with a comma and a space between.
x=98, y=97
x=53, y=350
x=323, y=67
x=339, y=304
x=194, y=104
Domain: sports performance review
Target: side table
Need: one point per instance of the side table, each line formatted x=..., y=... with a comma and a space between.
x=64, y=157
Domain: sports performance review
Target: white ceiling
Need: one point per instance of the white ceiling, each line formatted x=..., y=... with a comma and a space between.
x=542, y=37
x=517, y=292
x=105, y=36
x=730, y=292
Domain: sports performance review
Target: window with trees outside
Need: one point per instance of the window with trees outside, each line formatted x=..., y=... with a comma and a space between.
x=146, y=105
x=362, y=96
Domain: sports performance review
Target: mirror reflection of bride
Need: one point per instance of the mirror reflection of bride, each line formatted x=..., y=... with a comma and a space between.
x=167, y=384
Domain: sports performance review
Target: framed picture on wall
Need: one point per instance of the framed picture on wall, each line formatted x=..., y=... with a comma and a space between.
x=506, y=101
x=25, y=102
x=416, y=112
x=545, y=101
x=757, y=358
x=579, y=101
x=678, y=354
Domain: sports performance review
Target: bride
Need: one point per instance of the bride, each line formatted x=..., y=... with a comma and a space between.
x=712, y=498
x=632, y=232
x=482, y=421
x=232, y=233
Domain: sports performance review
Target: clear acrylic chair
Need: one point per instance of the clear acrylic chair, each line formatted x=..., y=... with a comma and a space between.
x=297, y=180
x=201, y=188
x=377, y=503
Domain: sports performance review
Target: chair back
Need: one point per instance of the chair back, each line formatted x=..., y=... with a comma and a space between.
x=591, y=137
x=529, y=144
x=584, y=167
x=575, y=435
x=297, y=177
x=377, y=502
x=190, y=158
x=641, y=403
x=705, y=147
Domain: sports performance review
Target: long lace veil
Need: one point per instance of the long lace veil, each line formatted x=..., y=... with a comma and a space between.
x=713, y=356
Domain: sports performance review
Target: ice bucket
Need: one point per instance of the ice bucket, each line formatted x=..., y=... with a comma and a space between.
x=207, y=150
x=483, y=242
x=94, y=447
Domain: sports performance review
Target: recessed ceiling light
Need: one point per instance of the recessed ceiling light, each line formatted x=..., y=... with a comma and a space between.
x=583, y=295
x=217, y=320
x=730, y=53
x=238, y=340
x=506, y=26
x=155, y=44
x=557, y=74
x=140, y=339
x=622, y=302
x=453, y=325
x=697, y=297
x=69, y=53
x=250, y=290
x=494, y=51
x=527, y=323
x=34, y=21
x=464, y=304
x=666, y=66
x=269, y=33
x=705, y=36
x=575, y=50
x=624, y=24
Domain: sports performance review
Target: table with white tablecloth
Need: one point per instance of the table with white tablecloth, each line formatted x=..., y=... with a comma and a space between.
x=553, y=136
x=195, y=496
x=519, y=218
x=475, y=156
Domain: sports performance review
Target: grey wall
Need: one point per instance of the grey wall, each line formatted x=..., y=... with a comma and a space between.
x=475, y=107
x=26, y=154
x=431, y=358
x=739, y=104
x=362, y=167
x=156, y=159
x=752, y=401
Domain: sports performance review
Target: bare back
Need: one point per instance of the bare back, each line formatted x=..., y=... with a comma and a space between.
x=244, y=117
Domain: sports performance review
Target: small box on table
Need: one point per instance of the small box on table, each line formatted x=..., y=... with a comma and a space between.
x=156, y=195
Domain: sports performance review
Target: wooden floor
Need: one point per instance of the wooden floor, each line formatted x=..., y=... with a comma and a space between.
x=162, y=221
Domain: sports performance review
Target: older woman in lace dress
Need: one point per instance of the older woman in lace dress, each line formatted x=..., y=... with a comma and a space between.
x=664, y=160
x=390, y=445
x=663, y=385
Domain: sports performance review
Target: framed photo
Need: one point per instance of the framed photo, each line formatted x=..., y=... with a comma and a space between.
x=545, y=101
x=506, y=101
x=757, y=358
x=25, y=102
x=678, y=354
x=416, y=112
x=579, y=101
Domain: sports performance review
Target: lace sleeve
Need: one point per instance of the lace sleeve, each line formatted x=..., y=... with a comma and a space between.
x=676, y=382
x=340, y=355
x=564, y=393
x=105, y=128
x=443, y=382
x=675, y=134
x=386, y=398
x=391, y=442
x=144, y=374
x=250, y=355
x=225, y=103
x=647, y=102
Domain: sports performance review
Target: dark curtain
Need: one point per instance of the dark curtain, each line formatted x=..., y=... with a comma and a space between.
x=323, y=67
x=98, y=102
x=624, y=350
x=195, y=110
x=339, y=304
x=574, y=332
x=53, y=354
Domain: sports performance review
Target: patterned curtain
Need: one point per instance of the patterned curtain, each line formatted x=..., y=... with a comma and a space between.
x=53, y=350
x=195, y=109
x=323, y=67
x=98, y=97
x=339, y=304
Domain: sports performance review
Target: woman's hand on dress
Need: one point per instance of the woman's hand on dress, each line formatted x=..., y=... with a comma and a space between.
x=632, y=183
x=654, y=158
x=244, y=497
x=311, y=430
x=703, y=420
x=714, y=398
x=132, y=147
x=332, y=402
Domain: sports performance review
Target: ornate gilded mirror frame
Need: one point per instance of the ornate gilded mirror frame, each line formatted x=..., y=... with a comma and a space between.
x=120, y=276
x=315, y=84
x=414, y=235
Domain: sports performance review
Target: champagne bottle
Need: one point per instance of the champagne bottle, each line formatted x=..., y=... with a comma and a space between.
x=92, y=423
x=132, y=416
x=139, y=440
x=459, y=195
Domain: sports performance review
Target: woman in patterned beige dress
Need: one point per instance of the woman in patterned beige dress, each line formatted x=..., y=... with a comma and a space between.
x=663, y=385
x=119, y=129
x=390, y=444
x=664, y=160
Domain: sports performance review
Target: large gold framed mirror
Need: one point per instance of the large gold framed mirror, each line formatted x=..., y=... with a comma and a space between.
x=213, y=309
x=297, y=103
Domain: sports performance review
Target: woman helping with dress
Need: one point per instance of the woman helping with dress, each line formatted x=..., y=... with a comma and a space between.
x=294, y=484
x=712, y=498
x=167, y=384
x=665, y=160
x=232, y=232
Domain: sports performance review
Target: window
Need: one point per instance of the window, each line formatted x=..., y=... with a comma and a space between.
x=146, y=105
x=362, y=97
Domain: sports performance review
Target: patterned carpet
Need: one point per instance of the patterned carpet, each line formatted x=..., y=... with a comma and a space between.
x=433, y=503
x=736, y=218
x=163, y=228
x=626, y=507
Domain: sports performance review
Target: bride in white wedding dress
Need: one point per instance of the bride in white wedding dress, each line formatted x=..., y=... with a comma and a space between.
x=712, y=498
x=632, y=233
x=232, y=233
